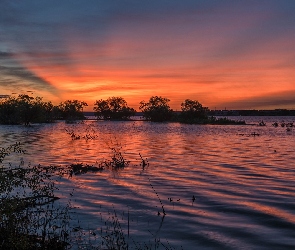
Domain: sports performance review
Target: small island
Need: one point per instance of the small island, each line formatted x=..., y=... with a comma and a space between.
x=25, y=109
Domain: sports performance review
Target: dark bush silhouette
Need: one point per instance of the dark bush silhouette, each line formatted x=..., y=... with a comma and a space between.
x=71, y=110
x=27, y=207
x=114, y=108
x=25, y=109
x=224, y=121
x=193, y=112
x=156, y=109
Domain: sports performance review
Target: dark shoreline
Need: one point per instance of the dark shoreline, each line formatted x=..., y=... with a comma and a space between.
x=254, y=112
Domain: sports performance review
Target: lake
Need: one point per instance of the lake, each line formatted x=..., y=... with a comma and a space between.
x=221, y=186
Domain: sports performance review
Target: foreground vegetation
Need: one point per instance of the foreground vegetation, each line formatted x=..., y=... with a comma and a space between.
x=32, y=218
x=25, y=109
x=28, y=217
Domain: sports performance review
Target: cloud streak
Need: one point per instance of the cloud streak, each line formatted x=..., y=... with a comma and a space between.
x=273, y=101
x=217, y=52
x=15, y=78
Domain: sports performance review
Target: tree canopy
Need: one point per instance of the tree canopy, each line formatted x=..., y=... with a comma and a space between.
x=193, y=112
x=72, y=110
x=25, y=109
x=156, y=109
x=114, y=108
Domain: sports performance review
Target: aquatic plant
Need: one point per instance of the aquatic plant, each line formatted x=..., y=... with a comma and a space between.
x=117, y=160
x=144, y=163
x=80, y=168
x=113, y=236
x=251, y=134
x=275, y=124
x=163, y=209
x=30, y=218
x=73, y=135
x=29, y=215
x=262, y=123
x=223, y=121
x=114, y=233
x=287, y=124
x=14, y=148
x=89, y=134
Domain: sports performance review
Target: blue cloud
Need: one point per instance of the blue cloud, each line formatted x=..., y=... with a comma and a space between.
x=196, y=34
x=15, y=77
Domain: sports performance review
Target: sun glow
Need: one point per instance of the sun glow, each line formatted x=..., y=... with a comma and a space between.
x=231, y=58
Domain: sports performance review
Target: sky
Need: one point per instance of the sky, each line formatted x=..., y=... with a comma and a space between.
x=233, y=54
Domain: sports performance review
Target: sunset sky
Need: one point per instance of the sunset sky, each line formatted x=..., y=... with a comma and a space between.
x=238, y=54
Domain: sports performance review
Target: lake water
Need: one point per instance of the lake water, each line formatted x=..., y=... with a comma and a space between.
x=221, y=186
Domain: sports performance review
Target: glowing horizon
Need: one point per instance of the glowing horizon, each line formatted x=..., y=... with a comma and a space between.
x=237, y=55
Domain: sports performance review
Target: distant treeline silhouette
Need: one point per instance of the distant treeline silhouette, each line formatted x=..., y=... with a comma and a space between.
x=26, y=109
x=253, y=112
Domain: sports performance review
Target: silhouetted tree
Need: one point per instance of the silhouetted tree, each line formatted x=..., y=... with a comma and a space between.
x=25, y=109
x=156, y=109
x=72, y=110
x=46, y=110
x=8, y=111
x=114, y=108
x=193, y=112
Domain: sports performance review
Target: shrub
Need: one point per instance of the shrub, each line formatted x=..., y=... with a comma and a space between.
x=156, y=109
x=28, y=217
x=25, y=109
x=114, y=108
x=192, y=112
x=71, y=110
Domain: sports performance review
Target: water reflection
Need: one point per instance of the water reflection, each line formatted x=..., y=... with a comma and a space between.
x=243, y=185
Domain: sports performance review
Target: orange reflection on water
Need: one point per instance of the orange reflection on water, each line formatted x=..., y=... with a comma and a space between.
x=270, y=210
x=208, y=177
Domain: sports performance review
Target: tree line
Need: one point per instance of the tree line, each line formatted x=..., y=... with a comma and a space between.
x=26, y=109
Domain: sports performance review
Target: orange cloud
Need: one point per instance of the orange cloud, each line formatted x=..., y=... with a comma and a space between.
x=218, y=54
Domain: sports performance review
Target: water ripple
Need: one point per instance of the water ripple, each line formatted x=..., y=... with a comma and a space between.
x=221, y=187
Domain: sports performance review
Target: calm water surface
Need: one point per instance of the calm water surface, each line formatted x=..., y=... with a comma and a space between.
x=243, y=185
